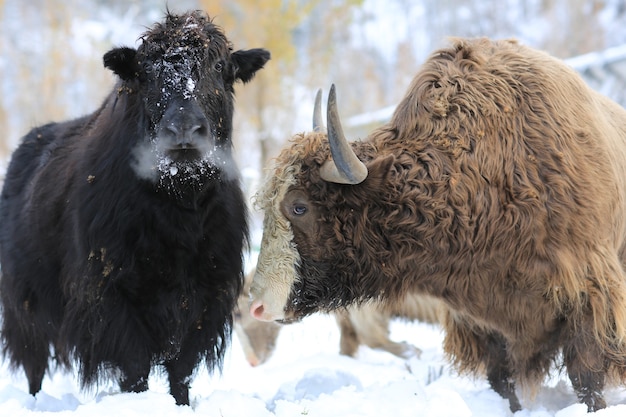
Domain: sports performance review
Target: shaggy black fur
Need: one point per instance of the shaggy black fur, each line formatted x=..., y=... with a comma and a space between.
x=121, y=233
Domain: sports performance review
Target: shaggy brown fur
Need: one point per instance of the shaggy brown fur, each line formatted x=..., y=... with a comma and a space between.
x=499, y=187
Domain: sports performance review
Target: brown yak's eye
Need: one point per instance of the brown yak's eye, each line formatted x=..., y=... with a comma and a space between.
x=219, y=66
x=299, y=209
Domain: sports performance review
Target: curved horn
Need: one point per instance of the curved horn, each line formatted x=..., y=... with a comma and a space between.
x=345, y=168
x=318, y=123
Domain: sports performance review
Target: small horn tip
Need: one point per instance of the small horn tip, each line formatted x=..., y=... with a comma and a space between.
x=318, y=124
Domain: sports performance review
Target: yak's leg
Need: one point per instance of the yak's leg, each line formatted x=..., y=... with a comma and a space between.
x=179, y=381
x=587, y=371
x=472, y=348
x=35, y=370
x=34, y=353
x=27, y=345
x=179, y=375
x=371, y=325
x=34, y=358
x=498, y=371
x=349, y=340
x=179, y=372
x=135, y=377
x=588, y=386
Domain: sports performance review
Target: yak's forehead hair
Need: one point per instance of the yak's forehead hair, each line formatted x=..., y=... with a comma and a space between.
x=179, y=34
x=279, y=256
x=306, y=150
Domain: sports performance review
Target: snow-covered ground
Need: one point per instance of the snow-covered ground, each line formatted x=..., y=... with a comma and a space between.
x=307, y=377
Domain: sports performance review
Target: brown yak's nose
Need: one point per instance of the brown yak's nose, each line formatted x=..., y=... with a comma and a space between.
x=257, y=310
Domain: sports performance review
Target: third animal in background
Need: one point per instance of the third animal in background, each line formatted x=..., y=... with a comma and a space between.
x=367, y=325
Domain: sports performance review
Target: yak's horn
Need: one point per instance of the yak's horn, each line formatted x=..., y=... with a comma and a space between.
x=318, y=123
x=345, y=167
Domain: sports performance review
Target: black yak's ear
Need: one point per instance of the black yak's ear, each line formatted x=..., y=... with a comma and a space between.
x=249, y=62
x=122, y=62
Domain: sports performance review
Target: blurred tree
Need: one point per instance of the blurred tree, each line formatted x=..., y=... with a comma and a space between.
x=299, y=35
x=582, y=18
x=54, y=74
x=4, y=120
x=51, y=52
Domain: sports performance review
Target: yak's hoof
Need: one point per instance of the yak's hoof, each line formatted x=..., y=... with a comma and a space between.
x=514, y=404
x=594, y=402
x=139, y=385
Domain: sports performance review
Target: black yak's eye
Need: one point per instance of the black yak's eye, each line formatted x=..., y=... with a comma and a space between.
x=299, y=209
x=175, y=59
x=219, y=66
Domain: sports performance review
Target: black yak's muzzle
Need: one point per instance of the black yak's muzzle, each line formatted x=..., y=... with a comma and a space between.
x=183, y=149
x=184, y=133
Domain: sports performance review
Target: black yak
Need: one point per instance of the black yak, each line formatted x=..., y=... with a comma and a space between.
x=499, y=187
x=121, y=232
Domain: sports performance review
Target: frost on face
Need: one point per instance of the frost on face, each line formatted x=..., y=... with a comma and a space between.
x=179, y=66
x=176, y=72
x=191, y=86
x=179, y=57
x=152, y=163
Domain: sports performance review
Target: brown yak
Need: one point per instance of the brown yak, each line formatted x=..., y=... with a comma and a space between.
x=499, y=187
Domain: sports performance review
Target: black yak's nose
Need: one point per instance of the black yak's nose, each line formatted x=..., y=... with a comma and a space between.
x=186, y=137
x=184, y=127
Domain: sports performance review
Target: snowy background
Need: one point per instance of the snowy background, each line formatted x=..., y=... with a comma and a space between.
x=307, y=377
x=50, y=69
x=51, y=54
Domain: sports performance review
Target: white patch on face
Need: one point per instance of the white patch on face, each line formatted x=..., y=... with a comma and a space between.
x=176, y=70
x=191, y=86
x=276, y=265
x=151, y=163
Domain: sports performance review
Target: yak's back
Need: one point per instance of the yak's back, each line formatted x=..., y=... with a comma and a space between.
x=512, y=118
